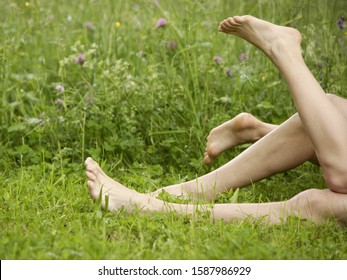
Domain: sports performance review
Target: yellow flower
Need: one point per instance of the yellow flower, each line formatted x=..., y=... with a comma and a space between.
x=27, y=4
x=117, y=24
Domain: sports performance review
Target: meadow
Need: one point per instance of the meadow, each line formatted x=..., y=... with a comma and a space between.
x=138, y=85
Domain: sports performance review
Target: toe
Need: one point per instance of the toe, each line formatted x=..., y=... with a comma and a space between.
x=91, y=168
x=88, y=161
x=242, y=19
x=228, y=23
x=90, y=176
x=207, y=159
x=91, y=186
x=237, y=19
x=221, y=28
x=93, y=191
x=233, y=22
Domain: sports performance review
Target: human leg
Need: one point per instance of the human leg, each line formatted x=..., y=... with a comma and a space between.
x=325, y=125
x=244, y=128
x=284, y=148
x=315, y=205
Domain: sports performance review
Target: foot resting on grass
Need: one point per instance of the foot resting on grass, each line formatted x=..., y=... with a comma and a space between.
x=118, y=196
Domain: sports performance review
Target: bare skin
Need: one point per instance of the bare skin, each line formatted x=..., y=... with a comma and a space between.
x=282, y=46
x=244, y=128
x=306, y=205
x=317, y=133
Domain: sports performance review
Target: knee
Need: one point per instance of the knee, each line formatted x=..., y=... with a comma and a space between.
x=335, y=177
x=336, y=180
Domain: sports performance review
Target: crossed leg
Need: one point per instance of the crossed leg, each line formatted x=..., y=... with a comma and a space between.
x=325, y=125
x=245, y=128
x=282, y=149
x=302, y=137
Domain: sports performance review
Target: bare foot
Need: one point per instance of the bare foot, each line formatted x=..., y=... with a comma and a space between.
x=244, y=128
x=118, y=196
x=184, y=191
x=273, y=40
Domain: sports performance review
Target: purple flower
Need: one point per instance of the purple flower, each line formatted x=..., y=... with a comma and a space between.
x=90, y=100
x=341, y=41
x=228, y=72
x=89, y=25
x=41, y=118
x=59, y=101
x=80, y=59
x=59, y=88
x=340, y=22
x=243, y=57
x=161, y=22
x=217, y=59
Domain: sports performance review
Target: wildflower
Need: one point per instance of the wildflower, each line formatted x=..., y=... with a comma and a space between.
x=141, y=54
x=340, y=22
x=161, y=22
x=217, y=59
x=228, y=72
x=59, y=88
x=89, y=100
x=41, y=119
x=27, y=4
x=80, y=59
x=341, y=41
x=59, y=101
x=117, y=24
x=89, y=25
x=243, y=57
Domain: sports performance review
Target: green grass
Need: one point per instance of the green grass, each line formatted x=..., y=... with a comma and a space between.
x=142, y=104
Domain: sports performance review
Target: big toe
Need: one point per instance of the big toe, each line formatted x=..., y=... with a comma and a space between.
x=92, y=166
x=89, y=160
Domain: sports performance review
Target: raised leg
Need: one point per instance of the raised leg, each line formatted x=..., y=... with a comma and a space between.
x=326, y=126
